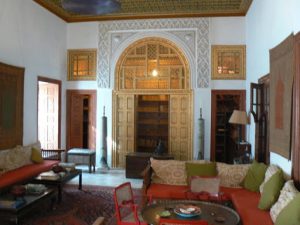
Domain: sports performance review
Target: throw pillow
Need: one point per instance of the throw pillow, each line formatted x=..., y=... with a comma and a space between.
x=290, y=214
x=200, y=169
x=205, y=184
x=14, y=159
x=168, y=172
x=254, y=176
x=272, y=169
x=271, y=191
x=36, y=155
x=287, y=194
x=232, y=175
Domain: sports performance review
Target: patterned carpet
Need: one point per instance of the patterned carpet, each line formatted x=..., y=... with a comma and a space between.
x=78, y=207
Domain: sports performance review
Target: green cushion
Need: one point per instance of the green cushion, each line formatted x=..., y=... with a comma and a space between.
x=201, y=169
x=290, y=214
x=36, y=155
x=271, y=191
x=255, y=176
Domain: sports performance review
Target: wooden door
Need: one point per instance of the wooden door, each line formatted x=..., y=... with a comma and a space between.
x=180, y=126
x=49, y=113
x=124, y=129
x=75, y=106
x=236, y=94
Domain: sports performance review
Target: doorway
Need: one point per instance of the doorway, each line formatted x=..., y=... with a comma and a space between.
x=224, y=134
x=49, y=112
x=81, y=119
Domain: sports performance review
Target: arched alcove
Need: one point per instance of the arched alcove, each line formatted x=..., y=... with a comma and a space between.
x=152, y=100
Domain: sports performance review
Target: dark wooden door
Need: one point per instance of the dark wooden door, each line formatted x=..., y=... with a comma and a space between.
x=223, y=102
x=76, y=130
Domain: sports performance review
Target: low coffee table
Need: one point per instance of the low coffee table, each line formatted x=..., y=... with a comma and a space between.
x=60, y=181
x=13, y=215
x=211, y=212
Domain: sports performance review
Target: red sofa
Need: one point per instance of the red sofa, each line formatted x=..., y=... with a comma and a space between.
x=25, y=173
x=244, y=201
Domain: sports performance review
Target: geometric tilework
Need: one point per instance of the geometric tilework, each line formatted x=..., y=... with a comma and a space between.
x=193, y=31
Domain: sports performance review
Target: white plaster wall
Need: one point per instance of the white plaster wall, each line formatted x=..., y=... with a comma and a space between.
x=223, y=30
x=33, y=38
x=268, y=22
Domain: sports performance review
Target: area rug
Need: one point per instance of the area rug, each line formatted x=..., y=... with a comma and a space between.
x=78, y=207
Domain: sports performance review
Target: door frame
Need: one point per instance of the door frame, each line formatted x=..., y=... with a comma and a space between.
x=214, y=93
x=92, y=116
x=52, y=81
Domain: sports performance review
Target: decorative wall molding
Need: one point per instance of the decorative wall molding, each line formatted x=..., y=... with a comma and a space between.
x=192, y=32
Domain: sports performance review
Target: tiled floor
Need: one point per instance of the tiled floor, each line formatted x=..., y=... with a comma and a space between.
x=112, y=178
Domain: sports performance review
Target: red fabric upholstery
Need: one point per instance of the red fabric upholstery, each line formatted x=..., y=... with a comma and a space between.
x=25, y=172
x=167, y=191
x=246, y=203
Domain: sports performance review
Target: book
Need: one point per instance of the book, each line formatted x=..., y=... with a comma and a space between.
x=7, y=204
x=67, y=166
x=49, y=175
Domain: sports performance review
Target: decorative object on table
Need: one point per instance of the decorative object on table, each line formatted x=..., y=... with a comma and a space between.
x=103, y=161
x=35, y=189
x=165, y=213
x=187, y=210
x=18, y=191
x=57, y=169
x=239, y=117
x=201, y=137
x=160, y=148
x=228, y=62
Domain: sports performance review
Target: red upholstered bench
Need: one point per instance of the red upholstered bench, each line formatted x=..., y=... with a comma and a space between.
x=25, y=173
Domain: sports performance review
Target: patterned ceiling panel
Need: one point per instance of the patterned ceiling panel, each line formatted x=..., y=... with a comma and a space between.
x=135, y=9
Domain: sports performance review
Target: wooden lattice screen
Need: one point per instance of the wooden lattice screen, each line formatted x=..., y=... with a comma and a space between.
x=11, y=105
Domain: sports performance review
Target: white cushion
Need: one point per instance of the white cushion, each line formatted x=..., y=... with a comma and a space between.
x=287, y=194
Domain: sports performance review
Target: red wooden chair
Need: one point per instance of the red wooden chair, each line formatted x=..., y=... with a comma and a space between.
x=126, y=209
x=165, y=221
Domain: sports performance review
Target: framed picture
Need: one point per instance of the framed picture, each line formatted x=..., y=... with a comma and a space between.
x=228, y=62
x=82, y=64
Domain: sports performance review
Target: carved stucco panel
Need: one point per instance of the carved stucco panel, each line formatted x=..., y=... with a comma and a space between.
x=194, y=32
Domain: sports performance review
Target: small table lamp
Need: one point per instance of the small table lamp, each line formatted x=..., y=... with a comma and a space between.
x=240, y=118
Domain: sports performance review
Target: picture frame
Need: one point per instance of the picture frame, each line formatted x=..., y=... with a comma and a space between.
x=82, y=64
x=228, y=62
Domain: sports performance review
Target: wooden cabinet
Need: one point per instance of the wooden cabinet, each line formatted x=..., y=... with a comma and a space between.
x=152, y=122
x=141, y=120
x=136, y=162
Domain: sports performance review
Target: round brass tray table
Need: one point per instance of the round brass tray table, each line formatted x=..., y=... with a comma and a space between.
x=211, y=212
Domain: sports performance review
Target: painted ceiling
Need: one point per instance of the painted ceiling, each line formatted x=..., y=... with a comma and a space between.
x=143, y=9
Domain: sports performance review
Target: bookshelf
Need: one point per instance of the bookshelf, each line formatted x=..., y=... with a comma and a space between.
x=152, y=122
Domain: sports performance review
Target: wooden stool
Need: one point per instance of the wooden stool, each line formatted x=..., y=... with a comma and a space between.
x=82, y=152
